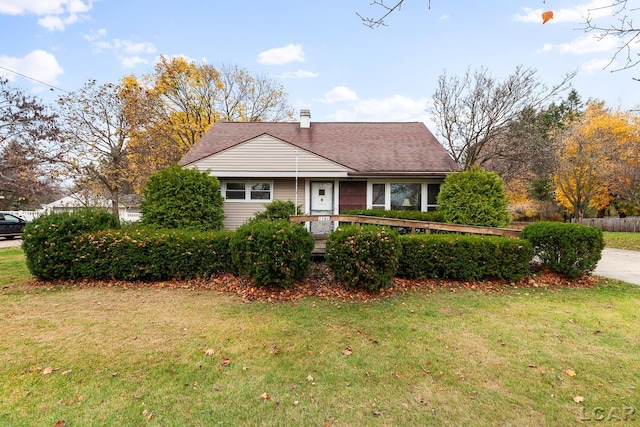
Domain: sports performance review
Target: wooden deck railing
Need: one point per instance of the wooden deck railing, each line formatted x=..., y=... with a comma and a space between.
x=408, y=223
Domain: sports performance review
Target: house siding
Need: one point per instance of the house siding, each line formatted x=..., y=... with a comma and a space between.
x=237, y=212
x=267, y=155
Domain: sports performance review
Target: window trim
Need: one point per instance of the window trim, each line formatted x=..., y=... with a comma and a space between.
x=424, y=193
x=248, y=183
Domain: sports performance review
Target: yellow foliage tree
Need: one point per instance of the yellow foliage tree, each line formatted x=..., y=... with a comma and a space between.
x=592, y=148
x=182, y=100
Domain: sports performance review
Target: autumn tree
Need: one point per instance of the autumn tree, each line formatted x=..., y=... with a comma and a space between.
x=186, y=99
x=528, y=163
x=475, y=113
x=99, y=126
x=30, y=149
x=592, y=148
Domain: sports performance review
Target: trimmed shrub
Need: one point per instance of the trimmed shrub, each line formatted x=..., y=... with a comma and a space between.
x=278, y=209
x=463, y=257
x=48, y=240
x=363, y=257
x=272, y=252
x=182, y=198
x=474, y=197
x=570, y=249
x=149, y=254
x=432, y=216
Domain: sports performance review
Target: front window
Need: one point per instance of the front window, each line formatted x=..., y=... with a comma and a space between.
x=432, y=196
x=406, y=196
x=378, y=196
x=260, y=191
x=235, y=191
x=246, y=190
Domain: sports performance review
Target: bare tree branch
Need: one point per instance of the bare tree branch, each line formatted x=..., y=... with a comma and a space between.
x=622, y=28
x=377, y=22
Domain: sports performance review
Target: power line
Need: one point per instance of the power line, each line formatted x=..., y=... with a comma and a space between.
x=34, y=79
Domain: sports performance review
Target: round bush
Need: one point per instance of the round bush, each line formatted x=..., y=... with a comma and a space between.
x=474, y=197
x=363, y=257
x=182, y=198
x=48, y=240
x=272, y=252
x=570, y=249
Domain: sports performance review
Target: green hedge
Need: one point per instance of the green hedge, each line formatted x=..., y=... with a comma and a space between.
x=149, y=254
x=363, y=257
x=272, y=252
x=570, y=249
x=433, y=216
x=463, y=257
x=47, y=241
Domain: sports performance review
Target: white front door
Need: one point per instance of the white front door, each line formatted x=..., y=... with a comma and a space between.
x=321, y=204
x=321, y=198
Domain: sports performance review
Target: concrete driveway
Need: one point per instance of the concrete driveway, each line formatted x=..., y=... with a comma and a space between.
x=15, y=243
x=619, y=264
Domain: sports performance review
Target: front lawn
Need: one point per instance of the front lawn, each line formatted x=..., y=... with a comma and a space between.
x=156, y=356
x=617, y=240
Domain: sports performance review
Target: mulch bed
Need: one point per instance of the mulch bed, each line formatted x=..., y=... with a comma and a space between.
x=320, y=283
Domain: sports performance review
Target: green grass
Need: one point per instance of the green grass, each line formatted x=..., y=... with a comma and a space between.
x=616, y=240
x=13, y=269
x=140, y=357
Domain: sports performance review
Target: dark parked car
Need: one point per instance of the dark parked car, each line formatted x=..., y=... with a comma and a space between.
x=11, y=226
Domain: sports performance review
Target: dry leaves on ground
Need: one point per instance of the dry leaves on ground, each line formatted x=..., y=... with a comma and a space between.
x=320, y=283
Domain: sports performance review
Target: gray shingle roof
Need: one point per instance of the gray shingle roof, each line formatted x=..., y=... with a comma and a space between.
x=366, y=147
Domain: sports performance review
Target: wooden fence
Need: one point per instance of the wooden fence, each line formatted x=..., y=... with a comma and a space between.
x=413, y=225
x=630, y=224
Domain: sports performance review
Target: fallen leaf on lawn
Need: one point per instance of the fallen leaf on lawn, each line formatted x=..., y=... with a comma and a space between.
x=47, y=370
x=274, y=349
x=309, y=378
x=578, y=399
x=60, y=423
x=66, y=372
x=148, y=414
x=347, y=351
x=80, y=398
x=209, y=352
x=225, y=361
x=570, y=372
x=531, y=365
x=265, y=396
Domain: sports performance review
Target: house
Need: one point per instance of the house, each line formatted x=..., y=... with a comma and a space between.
x=325, y=167
x=128, y=210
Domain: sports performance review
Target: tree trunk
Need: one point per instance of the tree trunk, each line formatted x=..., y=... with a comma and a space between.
x=115, y=205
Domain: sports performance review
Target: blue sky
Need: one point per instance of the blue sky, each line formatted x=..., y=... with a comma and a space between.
x=326, y=59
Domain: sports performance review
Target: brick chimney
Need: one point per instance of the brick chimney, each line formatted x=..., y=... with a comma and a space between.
x=305, y=119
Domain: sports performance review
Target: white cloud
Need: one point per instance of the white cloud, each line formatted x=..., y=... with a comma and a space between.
x=128, y=52
x=55, y=14
x=299, y=74
x=582, y=45
x=96, y=35
x=445, y=17
x=126, y=46
x=394, y=108
x=282, y=55
x=39, y=65
x=132, y=61
x=597, y=64
x=340, y=94
x=594, y=9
